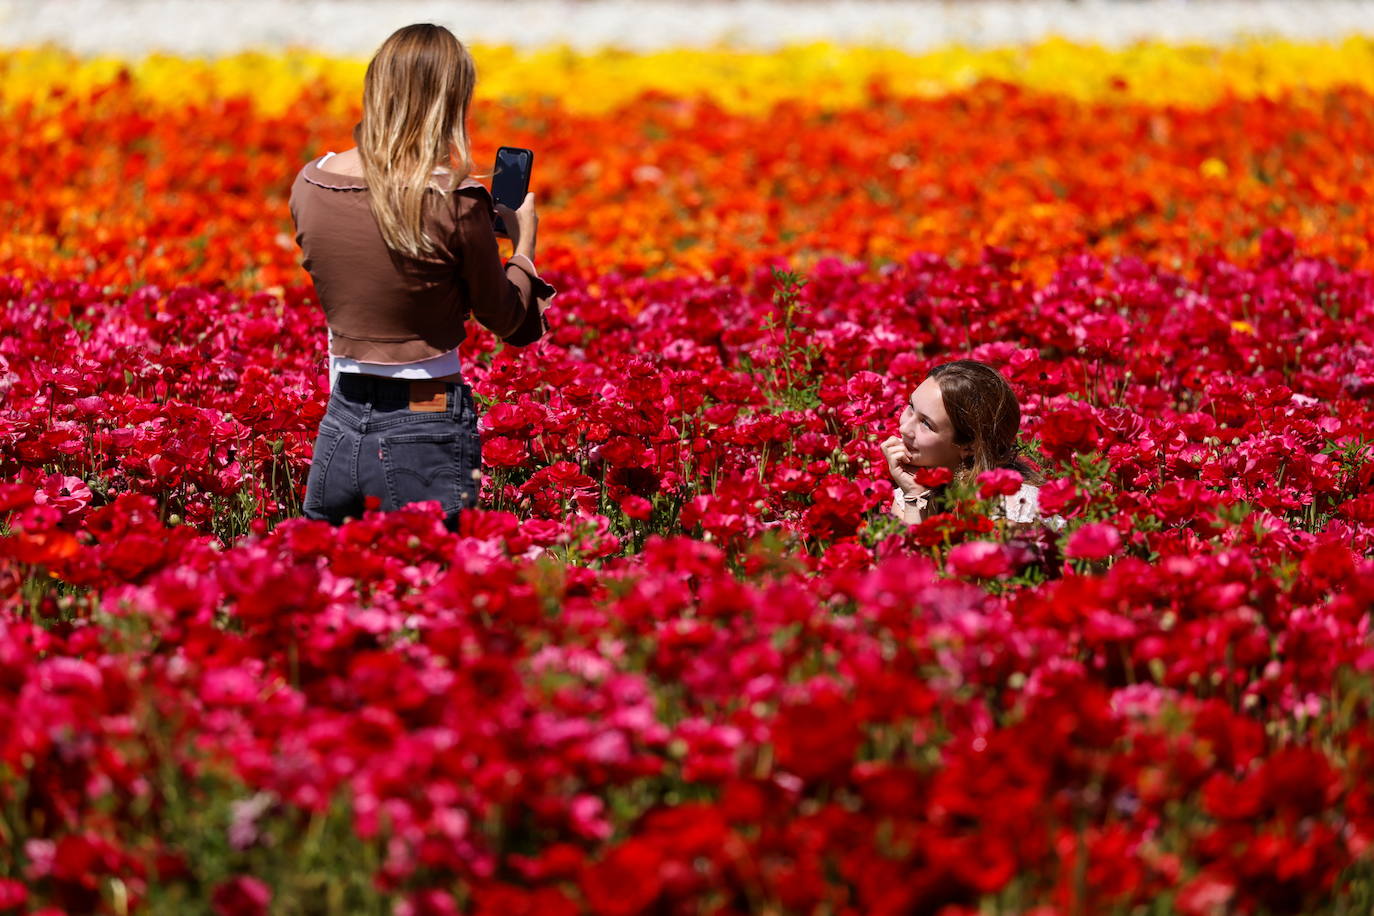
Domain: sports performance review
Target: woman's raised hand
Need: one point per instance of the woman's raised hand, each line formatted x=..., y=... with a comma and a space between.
x=521, y=225
x=900, y=467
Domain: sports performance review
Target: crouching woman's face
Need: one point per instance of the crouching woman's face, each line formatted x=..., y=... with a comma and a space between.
x=927, y=432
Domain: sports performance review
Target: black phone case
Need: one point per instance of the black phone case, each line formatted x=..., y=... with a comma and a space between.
x=524, y=189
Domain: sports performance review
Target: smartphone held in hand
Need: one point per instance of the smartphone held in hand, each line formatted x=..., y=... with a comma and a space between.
x=510, y=180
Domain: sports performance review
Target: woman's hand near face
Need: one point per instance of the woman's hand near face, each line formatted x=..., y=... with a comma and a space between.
x=900, y=467
x=521, y=225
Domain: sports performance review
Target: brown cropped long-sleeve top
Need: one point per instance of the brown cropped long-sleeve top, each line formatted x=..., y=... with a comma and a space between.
x=385, y=307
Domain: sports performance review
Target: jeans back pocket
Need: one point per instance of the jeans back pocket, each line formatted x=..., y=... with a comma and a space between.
x=430, y=465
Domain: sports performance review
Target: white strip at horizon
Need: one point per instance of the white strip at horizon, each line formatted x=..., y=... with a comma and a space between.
x=356, y=27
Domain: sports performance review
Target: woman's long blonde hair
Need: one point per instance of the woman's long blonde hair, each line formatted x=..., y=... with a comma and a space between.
x=415, y=105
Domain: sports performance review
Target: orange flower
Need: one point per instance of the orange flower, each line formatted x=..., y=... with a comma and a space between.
x=197, y=193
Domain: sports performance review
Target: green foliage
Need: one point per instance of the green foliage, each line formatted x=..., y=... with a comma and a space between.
x=795, y=387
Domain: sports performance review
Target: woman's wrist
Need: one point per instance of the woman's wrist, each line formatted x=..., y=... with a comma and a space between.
x=912, y=512
x=913, y=493
x=526, y=243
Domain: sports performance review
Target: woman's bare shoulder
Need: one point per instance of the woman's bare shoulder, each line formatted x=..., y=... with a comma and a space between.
x=347, y=162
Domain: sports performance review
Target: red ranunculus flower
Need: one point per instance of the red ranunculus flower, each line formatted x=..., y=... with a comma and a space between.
x=627, y=881
x=504, y=452
x=933, y=477
x=999, y=482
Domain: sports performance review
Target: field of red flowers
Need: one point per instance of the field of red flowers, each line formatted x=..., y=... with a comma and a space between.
x=682, y=661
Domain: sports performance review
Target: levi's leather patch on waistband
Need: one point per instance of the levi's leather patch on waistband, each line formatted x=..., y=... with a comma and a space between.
x=428, y=397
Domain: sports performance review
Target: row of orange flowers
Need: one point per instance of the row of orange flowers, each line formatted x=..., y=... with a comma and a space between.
x=100, y=188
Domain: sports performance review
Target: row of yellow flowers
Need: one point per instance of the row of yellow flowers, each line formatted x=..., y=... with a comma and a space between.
x=830, y=76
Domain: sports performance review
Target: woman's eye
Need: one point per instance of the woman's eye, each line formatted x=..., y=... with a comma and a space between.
x=928, y=425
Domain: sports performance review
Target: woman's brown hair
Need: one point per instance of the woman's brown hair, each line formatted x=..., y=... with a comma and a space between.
x=985, y=417
x=415, y=103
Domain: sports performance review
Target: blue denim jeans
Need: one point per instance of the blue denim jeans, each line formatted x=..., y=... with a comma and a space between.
x=373, y=443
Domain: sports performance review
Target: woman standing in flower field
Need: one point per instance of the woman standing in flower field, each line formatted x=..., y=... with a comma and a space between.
x=401, y=246
x=960, y=423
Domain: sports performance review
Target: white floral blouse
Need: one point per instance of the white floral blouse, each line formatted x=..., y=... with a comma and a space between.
x=1022, y=507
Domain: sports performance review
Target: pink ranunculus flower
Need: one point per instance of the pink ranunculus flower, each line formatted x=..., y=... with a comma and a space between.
x=979, y=559
x=13, y=894
x=69, y=494
x=1094, y=541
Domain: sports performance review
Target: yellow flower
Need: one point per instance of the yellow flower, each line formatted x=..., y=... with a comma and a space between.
x=827, y=75
x=1213, y=168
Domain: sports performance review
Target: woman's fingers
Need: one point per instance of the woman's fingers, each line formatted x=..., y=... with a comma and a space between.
x=528, y=214
x=899, y=463
x=526, y=223
x=894, y=450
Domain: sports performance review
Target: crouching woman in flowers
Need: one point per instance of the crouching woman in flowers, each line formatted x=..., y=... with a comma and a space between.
x=964, y=417
x=401, y=247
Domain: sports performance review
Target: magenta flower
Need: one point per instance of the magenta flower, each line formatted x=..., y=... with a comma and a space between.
x=1094, y=541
